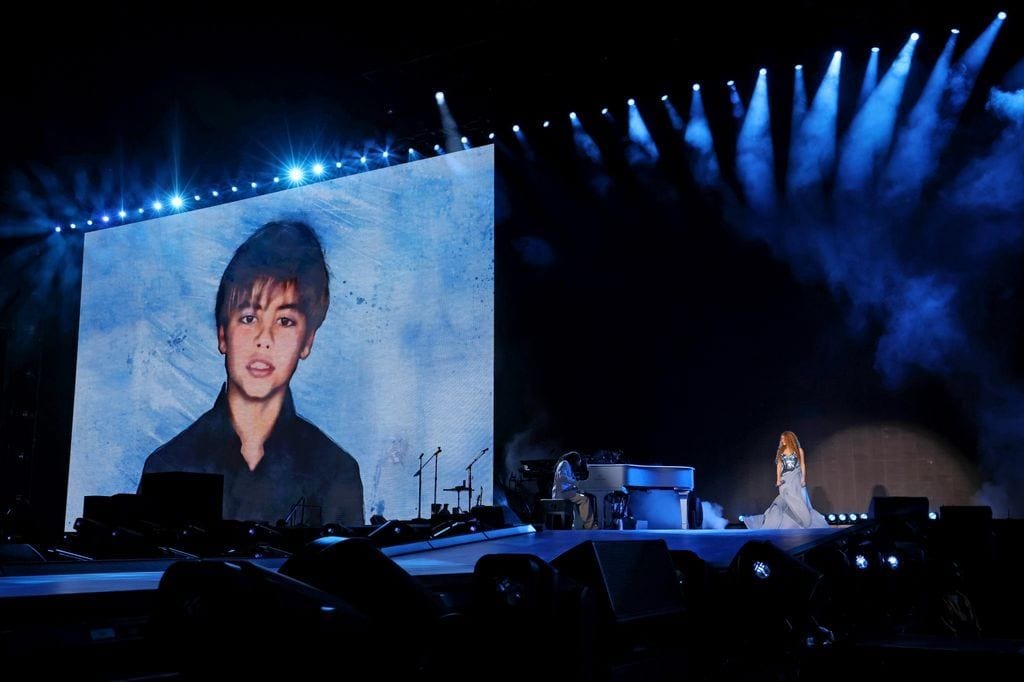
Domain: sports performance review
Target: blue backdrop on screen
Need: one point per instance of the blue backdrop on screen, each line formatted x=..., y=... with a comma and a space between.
x=402, y=364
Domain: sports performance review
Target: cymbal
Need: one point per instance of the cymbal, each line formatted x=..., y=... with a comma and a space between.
x=459, y=489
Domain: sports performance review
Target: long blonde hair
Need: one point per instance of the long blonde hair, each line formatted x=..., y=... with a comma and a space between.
x=788, y=439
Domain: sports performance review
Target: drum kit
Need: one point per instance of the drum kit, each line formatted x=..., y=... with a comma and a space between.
x=436, y=508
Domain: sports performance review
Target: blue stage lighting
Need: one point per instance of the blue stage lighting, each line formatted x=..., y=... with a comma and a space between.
x=932, y=515
x=762, y=570
x=439, y=96
x=1001, y=16
x=490, y=136
x=837, y=53
x=197, y=198
x=741, y=518
x=731, y=84
x=546, y=124
x=122, y=214
x=362, y=159
x=157, y=206
x=572, y=115
x=893, y=561
x=875, y=50
x=411, y=151
x=798, y=67
x=860, y=561
x=831, y=518
x=915, y=36
x=142, y=210
x=217, y=194
x=604, y=112
x=57, y=229
x=515, y=129
x=631, y=102
x=252, y=185
x=87, y=222
x=318, y=169
x=842, y=518
x=337, y=164
x=384, y=154
x=437, y=147
x=863, y=516
x=664, y=98
x=955, y=31
x=465, y=140
x=177, y=202
x=696, y=87
x=295, y=174
x=763, y=72
x=276, y=179
x=105, y=219
x=234, y=188
x=73, y=226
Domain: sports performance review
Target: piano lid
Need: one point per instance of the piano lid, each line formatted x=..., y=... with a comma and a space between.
x=611, y=476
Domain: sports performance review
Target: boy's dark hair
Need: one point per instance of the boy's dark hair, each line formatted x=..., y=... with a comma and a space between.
x=281, y=253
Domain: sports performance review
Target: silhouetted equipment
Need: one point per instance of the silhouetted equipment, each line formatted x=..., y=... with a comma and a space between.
x=178, y=498
x=635, y=580
x=393, y=532
x=910, y=508
x=355, y=570
x=773, y=589
x=537, y=469
x=694, y=512
x=453, y=527
x=218, y=617
x=556, y=513
x=18, y=553
x=978, y=517
x=123, y=509
x=513, y=594
x=693, y=576
x=495, y=516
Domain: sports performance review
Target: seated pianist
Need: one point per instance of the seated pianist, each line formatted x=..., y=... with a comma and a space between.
x=569, y=469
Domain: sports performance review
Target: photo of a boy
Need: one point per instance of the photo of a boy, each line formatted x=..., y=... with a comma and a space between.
x=272, y=299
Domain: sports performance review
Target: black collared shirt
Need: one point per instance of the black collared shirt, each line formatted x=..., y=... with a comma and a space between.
x=299, y=461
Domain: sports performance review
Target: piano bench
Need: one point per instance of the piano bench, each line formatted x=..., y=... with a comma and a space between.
x=557, y=514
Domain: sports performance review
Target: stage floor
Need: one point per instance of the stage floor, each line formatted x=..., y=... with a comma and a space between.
x=449, y=556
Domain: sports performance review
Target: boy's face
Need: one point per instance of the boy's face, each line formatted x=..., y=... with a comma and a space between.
x=264, y=341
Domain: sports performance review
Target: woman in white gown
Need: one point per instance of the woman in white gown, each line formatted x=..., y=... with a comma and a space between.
x=792, y=508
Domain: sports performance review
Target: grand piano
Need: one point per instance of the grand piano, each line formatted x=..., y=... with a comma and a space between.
x=658, y=496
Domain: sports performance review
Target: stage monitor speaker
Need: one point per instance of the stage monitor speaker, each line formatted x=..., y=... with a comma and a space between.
x=496, y=516
x=393, y=532
x=122, y=509
x=19, y=553
x=772, y=582
x=214, y=618
x=511, y=585
x=355, y=570
x=454, y=527
x=911, y=508
x=517, y=596
x=179, y=498
x=971, y=516
x=636, y=579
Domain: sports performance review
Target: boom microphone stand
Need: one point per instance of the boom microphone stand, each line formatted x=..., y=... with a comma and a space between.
x=470, y=470
x=419, y=474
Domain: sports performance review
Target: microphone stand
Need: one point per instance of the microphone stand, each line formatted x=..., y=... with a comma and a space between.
x=419, y=492
x=470, y=470
x=418, y=474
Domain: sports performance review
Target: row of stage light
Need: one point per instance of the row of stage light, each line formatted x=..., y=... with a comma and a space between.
x=293, y=176
x=298, y=175
x=848, y=519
